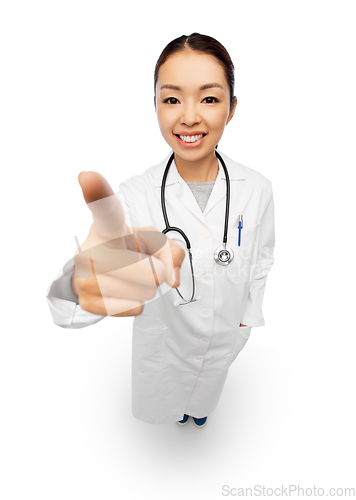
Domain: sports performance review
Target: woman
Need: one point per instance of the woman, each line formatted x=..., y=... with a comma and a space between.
x=181, y=351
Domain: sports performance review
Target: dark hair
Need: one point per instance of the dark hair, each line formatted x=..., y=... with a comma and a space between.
x=199, y=43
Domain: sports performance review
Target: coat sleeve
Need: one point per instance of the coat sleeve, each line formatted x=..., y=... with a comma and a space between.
x=253, y=315
x=61, y=298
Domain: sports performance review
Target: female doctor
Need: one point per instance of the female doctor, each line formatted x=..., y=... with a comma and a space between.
x=196, y=292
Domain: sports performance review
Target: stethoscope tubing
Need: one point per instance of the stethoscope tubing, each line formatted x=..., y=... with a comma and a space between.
x=169, y=228
x=163, y=202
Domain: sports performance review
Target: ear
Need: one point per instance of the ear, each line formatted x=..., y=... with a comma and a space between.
x=231, y=114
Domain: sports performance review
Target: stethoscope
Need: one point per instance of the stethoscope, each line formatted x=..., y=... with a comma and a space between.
x=223, y=255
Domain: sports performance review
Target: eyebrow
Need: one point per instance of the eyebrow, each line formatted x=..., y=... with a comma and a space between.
x=203, y=87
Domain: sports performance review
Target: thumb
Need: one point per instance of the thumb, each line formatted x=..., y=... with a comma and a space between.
x=107, y=211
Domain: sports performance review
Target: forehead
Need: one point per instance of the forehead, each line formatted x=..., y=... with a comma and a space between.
x=191, y=69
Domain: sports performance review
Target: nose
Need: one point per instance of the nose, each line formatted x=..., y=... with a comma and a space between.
x=190, y=115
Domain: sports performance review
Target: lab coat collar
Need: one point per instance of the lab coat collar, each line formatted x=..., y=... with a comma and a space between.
x=235, y=170
x=184, y=193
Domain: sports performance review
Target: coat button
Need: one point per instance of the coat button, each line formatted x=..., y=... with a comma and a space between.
x=206, y=234
x=205, y=312
x=207, y=277
x=199, y=357
x=204, y=340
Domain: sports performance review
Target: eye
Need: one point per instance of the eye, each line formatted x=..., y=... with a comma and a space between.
x=169, y=99
x=211, y=97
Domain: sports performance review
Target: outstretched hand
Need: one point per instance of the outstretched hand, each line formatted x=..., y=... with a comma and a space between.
x=118, y=268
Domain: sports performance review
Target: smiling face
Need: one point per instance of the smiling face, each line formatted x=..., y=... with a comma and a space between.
x=192, y=99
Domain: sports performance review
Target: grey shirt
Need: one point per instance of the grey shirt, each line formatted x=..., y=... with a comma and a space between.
x=63, y=288
x=201, y=191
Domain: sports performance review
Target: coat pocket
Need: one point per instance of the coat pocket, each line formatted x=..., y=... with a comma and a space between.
x=242, y=336
x=148, y=345
x=241, y=268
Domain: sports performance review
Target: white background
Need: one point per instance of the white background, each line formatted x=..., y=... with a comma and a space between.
x=77, y=94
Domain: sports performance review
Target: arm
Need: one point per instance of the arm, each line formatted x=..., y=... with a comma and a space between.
x=253, y=315
x=61, y=298
x=64, y=303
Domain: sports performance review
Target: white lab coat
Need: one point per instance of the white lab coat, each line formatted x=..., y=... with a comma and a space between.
x=181, y=355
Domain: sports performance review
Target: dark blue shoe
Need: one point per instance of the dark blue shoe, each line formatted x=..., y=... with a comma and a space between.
x=184, y=420
x=200, y=422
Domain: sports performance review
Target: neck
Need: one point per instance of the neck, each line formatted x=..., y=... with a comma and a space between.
x=204, y=170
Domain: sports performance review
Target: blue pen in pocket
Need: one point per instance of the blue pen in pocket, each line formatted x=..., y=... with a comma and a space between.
x=241, y=225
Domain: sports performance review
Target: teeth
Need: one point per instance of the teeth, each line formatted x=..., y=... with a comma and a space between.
x=193, y=138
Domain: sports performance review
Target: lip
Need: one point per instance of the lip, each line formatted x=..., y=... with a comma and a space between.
x=189, y=145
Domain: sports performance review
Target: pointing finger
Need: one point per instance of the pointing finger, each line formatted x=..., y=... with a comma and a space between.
x=107, y=211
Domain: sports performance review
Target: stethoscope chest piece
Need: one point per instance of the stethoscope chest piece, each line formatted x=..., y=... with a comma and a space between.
x=223, y=255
